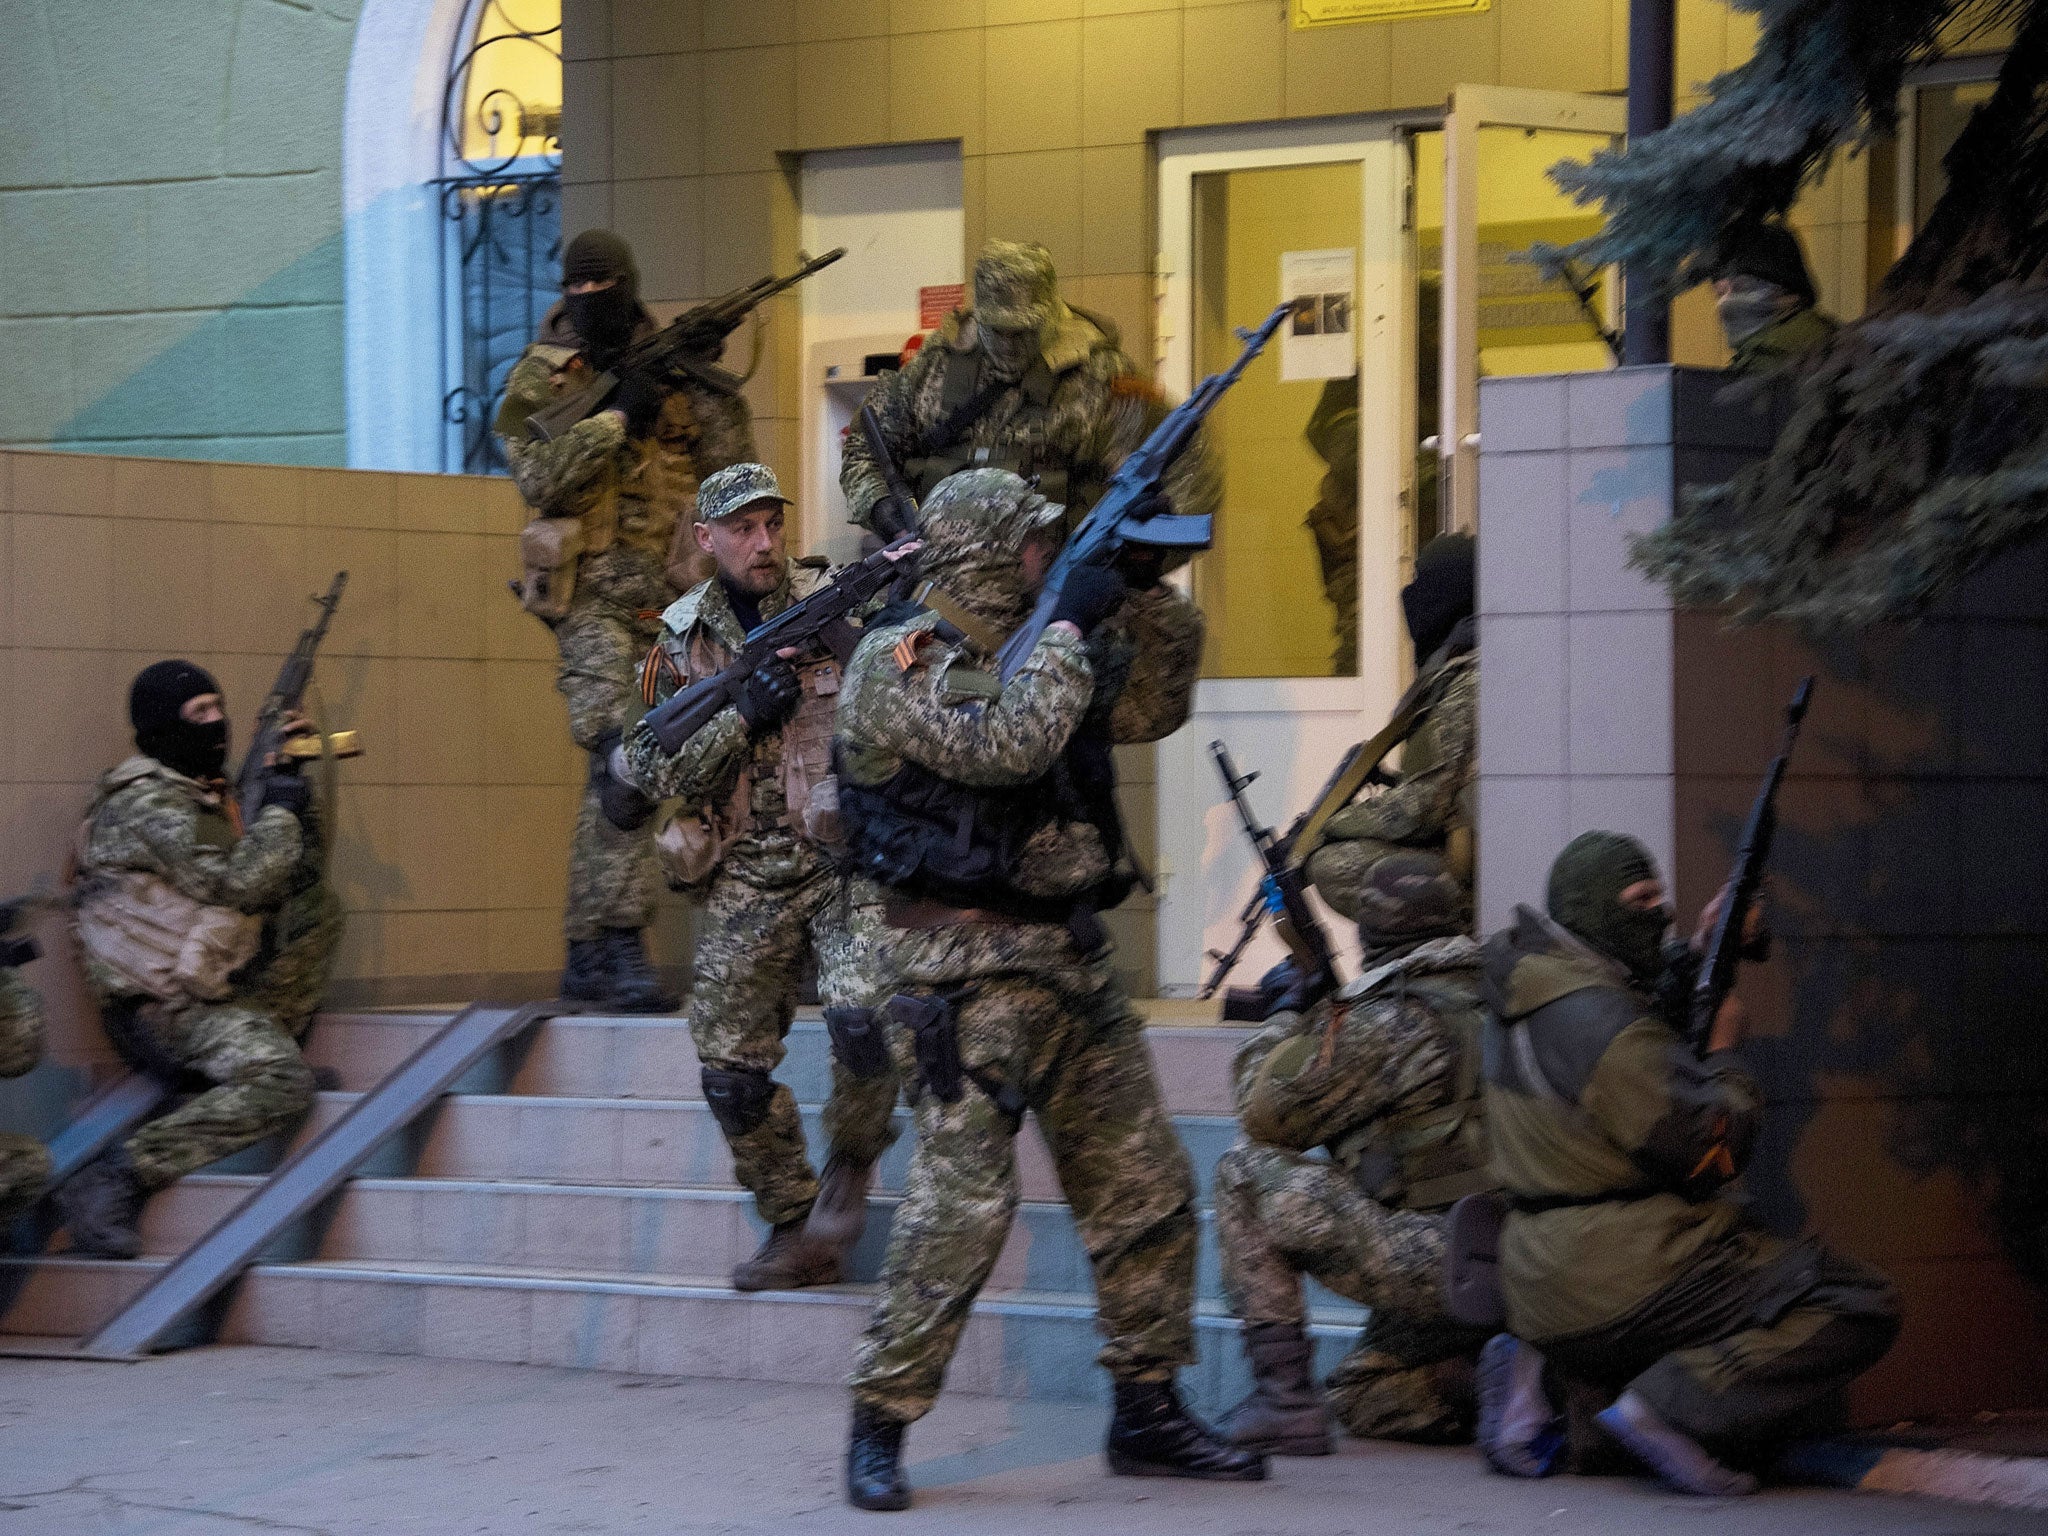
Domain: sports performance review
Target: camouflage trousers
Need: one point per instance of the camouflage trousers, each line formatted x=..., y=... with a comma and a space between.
x=24, y=1169
x=612, y=875
x=1281, y=1215
x=751, y=948
x=1333, y=524
x=248, y=1047
x=1059, y=1031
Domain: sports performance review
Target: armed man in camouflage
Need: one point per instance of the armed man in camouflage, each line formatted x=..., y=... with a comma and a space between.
x=24, y=1163
x=983, y=816
x=1430, y=811
x=755, y=831
x=613, y=491
x=1022, y=381
x=1621, y=1259
x=1384, y=1079
x=1332, y=435
x=208, y=945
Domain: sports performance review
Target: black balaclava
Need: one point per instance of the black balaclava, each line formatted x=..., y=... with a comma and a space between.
x=158, y=693
x=1586, y=884
x=1444, y=591
x=603, y=319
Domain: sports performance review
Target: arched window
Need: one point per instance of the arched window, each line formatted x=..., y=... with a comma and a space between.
x=500, y=199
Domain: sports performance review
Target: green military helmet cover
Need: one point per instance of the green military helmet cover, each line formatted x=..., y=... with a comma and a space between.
x=1015, y=287
x=1408, y=897
x=1584, y=896
x=975, y=525
x=735, y=488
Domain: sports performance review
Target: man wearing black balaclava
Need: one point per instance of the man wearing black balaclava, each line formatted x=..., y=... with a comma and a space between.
x=1623, y=1263
x=1765, y=297
x=1429, y=811
x=207, y=943
x=609, y=548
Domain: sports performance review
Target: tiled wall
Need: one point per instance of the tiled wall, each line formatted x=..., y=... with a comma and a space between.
x=1897, y=1031
x=453, y=828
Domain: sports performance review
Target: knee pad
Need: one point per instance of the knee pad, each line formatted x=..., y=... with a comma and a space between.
x=857, y=1040
x=739, y=1097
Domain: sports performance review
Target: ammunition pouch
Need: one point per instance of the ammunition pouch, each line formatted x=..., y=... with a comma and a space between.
x=739, y=1097
x=161, y=943
x=549, y=548
x=857, y=1040
x=620, y=799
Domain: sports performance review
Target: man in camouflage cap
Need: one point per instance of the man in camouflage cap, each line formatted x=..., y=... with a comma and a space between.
x=1622, y=1259
x=982, y=827
x=1383, y=1080
x=612, y=497
x=1022, y=381
x=24, y=1164
x=754, y=831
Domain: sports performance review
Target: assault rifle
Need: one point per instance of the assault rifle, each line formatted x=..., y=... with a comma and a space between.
x=1283, y=890
x=286, y=695
x=817, y=624
x=687, y=347
x=1724, y=951
x=1113, y=521
x=899, y=493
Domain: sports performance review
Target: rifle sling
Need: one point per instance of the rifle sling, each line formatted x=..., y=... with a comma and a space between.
x=1407, y=716
x=983, y=636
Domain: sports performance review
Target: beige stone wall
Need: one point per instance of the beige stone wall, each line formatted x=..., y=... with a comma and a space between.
x=452, y=829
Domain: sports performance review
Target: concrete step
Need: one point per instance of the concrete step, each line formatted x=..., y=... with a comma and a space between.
x=1017, y=1343
x=673, y=1144
x=600, y=1057
x=626, y=1233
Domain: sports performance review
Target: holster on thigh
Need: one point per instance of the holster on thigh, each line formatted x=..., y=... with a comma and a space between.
x=933, y=1022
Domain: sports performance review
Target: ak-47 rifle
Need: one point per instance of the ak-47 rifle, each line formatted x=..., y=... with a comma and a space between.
x=900, y=497
x=687, y=347
x=1724, y=951
x=267, y=747
x=812, y=627
x=1113, y=522
x=1283, y=889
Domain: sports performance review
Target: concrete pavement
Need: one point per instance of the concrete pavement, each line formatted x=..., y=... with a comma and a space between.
x=249, y=1439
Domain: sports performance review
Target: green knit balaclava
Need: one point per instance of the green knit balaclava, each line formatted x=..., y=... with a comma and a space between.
x=974, y=526
x=1586, y=884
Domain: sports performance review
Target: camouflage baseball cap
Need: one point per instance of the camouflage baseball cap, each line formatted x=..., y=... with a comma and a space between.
x=974, y=526
x=1015, y=288
x=736, y=488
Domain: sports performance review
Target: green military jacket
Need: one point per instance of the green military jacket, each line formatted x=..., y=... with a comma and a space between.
x=1776, y=345
x=1611, y=1139
x=1439, y=765
x=1384, y=1075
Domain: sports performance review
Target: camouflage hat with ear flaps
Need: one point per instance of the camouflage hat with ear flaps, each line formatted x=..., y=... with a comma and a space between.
x=1015, y=288
x=974, y=526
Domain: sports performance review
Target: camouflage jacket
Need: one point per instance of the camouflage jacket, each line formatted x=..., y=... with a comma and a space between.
x=1070, y=420
x=743, y=786
x=1778, y=344
x=1385, y=1074
x=1612, y=1136
x=1134, y=678
x=1439, y=766
x=21, y=1024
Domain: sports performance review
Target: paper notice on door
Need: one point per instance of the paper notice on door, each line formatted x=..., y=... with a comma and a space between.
x=1316, y=342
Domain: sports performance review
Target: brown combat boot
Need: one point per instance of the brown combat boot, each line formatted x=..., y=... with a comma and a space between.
x=789, y=1260
x=840, y=1213
x=1284, y=1415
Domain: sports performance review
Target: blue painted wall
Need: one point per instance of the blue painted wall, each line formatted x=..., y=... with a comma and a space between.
x=170, y=227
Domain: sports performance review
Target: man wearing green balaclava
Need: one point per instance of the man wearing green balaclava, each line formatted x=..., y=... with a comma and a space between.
x=1622, y=1261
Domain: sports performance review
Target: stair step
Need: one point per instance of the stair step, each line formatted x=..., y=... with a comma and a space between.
x=625, y=1232
x=651, y=1057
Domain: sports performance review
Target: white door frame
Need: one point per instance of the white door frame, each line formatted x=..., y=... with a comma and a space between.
x=1474, y=107
x=1199, y=846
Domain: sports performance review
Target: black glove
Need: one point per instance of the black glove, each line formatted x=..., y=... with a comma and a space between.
x=891, y=517
x=770, y=696
x=640, y=398
x=1091, y=595
x=287, y=790
x=621, y=801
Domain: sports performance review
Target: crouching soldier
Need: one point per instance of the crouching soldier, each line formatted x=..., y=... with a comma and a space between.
x=1622, y=1261
x=208, y=944
x=1384, y=1078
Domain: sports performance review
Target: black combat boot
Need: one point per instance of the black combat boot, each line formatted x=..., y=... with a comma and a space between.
x=100, y=1205
x=1284, y=1415
x=586, y=978
x=874, y=1462
x=840, y=1213
x=788, y=1261
x=636, y=987
x=1152, y=1435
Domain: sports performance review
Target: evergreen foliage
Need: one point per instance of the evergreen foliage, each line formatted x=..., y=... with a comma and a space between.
x=1917, y=440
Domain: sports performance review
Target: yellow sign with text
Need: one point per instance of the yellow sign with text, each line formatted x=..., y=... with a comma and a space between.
x=1337, y=13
